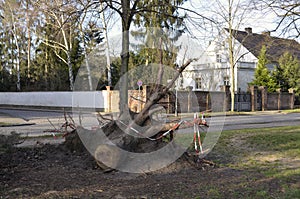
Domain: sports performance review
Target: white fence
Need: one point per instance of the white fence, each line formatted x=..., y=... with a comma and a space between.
x=88, y=99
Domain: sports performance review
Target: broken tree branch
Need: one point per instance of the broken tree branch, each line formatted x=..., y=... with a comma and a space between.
x=158, y=95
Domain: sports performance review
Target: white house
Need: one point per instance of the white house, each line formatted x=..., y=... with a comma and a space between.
x=212, y=70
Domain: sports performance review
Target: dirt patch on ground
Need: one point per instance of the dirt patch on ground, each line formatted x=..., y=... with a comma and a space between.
x=52, y=171
x=262, y=157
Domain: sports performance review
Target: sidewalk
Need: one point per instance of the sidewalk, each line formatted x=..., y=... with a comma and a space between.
x=8, y=120
x=31, y=128
x=228, y=113
x=34, y=130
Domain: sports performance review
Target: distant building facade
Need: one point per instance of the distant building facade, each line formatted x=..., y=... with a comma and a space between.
x=212, y=71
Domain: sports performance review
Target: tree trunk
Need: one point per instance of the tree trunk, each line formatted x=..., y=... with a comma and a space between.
x=70, y=69
x=29, y=39
x=231, y=55
x=126, y=21
x=158, y=94
x=17, y=62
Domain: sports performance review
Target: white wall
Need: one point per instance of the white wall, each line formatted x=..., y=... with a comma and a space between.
x=89, y=99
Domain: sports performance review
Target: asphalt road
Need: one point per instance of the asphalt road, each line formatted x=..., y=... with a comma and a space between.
x=39, y=122
x=30, y=122
x=261, y=120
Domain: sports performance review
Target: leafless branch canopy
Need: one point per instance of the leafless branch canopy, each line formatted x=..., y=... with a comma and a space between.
x=288, y=12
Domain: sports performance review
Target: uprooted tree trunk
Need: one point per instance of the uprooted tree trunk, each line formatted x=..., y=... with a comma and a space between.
x=142, y=118
x=149, y=138
x=157, y=95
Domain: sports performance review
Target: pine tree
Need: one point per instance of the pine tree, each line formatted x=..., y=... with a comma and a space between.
x=162, y=27
x=287, y=73
x=262, y=76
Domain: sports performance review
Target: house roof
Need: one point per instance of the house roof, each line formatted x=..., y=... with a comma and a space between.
x=275, y=46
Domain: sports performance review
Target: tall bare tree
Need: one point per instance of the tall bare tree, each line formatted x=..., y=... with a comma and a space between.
x=31, y=17
x=288, y=14
x=63, y=18
x=12, y=19
x=230, y=15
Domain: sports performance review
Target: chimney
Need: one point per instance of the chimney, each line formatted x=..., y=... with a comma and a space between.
x=248, y=30
x=266, y=33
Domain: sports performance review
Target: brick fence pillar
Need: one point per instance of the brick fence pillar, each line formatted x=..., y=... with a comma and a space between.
x=108, y=108
x=207, y=100
x=226, y=90
x=279, y=98
x=190, y=88
x=292, y=98
x=264, y=97
x=253, y=90
x=146, y=93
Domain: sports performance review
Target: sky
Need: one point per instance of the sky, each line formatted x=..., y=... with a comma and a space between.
x=259, y=20
x=202, y=31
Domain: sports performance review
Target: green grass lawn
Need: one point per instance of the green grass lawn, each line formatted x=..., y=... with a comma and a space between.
x=272, y=152
x=2, y=124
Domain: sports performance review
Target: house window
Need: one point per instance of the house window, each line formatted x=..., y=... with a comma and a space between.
x=226, y=81
x=219, y=58
x=198, y=82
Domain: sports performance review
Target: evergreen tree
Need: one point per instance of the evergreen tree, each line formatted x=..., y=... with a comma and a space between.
x=161, y=29
x=287, y=73
x=138, y=12
x=262, y=76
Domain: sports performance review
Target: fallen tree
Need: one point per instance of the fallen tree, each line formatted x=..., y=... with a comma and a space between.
x=135, y=133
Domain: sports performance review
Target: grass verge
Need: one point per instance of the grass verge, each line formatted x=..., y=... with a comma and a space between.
x=273, y=153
